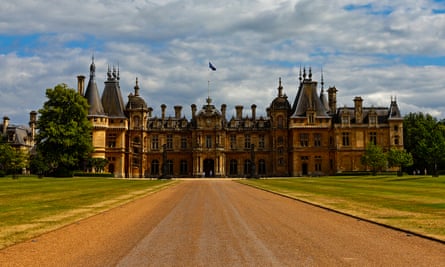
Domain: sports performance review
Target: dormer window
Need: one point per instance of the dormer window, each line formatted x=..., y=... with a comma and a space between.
x=311, y=117
x=373, y=118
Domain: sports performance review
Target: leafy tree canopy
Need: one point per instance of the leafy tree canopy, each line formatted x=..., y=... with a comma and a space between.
x=64, y=131
x=374, y=158
x=424, y=138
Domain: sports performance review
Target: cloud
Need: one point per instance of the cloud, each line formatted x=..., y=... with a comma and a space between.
x=374, y=49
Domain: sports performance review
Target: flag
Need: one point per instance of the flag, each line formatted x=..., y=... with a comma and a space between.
x=211, y=66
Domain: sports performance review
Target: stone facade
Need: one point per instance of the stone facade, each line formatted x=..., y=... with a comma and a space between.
x=310, y=137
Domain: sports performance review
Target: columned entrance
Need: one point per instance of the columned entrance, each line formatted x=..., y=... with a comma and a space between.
x=209, y=167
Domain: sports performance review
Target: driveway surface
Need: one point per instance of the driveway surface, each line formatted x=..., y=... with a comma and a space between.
x=222, y=223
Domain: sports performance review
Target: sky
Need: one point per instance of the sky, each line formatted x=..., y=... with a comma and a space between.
x=373, y=49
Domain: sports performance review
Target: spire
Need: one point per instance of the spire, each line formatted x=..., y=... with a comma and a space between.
x=310, y=73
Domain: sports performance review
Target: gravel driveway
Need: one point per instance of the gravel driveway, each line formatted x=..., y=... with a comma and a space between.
x=222, y=223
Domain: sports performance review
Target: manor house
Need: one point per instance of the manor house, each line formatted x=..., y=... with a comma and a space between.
x=307, y=136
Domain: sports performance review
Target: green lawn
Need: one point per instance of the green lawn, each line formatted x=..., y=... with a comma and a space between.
x=414, y=203
x=30, y=206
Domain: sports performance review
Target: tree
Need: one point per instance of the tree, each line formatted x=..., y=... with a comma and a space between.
x=374, y=158
x=424, y=138
x=12, y=160
x=399, y=158
x=64, y=131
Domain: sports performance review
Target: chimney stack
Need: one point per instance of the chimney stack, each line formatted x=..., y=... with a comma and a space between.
x=178, y=112
x=358, y=109
x=150, y=110
x=223, y=111
x=81, y=84
x=163, y=107
x=5, y=124
x=239, y=112
x=193, y=110
x=33, y=123
x=253, y=107
x=332, y=99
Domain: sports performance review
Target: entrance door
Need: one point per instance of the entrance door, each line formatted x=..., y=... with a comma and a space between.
x=209, y=167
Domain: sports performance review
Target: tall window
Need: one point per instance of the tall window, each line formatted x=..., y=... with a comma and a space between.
x=154, y=167
x=317, y=140
x=318, y=163
x=111, y=140
x=304, y=139
x=247, y=166
x=155, y=142
x=280, y=122
x=373, y=138
x=169, y=141
x=345, y=138
x=233, y=141
x=183, y=142
x=233, y=167
x=247, y=141
x=169, y=167
x=183, y=167
x=261, y=141
x=396, y=140
x=136, y=122
x=261, y=167
x=208, y=141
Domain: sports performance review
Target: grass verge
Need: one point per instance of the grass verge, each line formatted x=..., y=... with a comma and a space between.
x=30, y=206
x=413, y=203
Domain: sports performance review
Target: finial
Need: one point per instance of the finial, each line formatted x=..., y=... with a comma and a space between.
x=136, y=88
x=322, y=80
x=310, y=73
x=299, y=77
x=118, y=75
x=280, y=88
x=109, y=72
x=304, y=73
x=92, y=68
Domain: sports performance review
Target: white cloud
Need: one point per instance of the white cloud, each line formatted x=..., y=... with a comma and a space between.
x=361, y=46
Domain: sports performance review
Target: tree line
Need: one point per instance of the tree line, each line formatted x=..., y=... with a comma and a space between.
x=63, y=142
